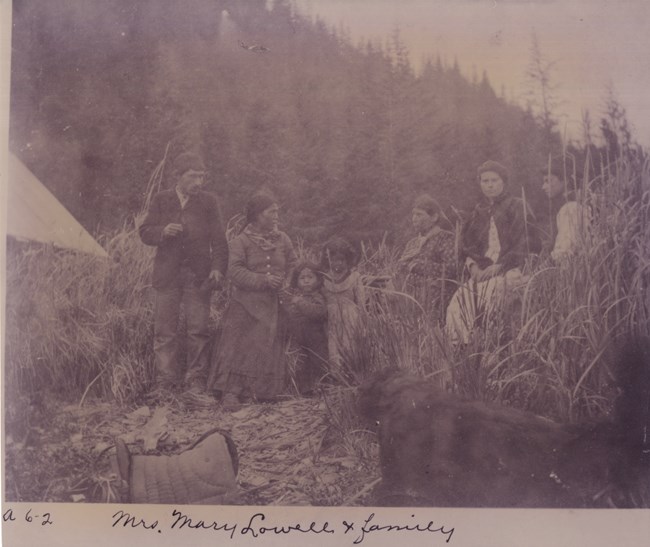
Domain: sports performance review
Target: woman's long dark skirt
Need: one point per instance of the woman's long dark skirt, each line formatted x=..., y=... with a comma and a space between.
x=245, y=362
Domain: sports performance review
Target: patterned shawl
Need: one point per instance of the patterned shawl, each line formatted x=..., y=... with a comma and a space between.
x=414, y=246
x=266, y=241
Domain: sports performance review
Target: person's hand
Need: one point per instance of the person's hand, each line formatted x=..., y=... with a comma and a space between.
x=474, y=271
x=489, y=272
x=215, y=278
x=274, y=281
x=172, y=230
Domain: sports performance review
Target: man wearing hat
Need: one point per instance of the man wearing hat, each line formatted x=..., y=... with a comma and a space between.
x=184, y=225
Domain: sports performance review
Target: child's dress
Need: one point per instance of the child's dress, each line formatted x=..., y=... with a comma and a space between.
x=307, y=315
x=344, y=304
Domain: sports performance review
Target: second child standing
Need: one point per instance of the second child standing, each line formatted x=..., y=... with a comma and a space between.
x=307, y=312
x=345, y=295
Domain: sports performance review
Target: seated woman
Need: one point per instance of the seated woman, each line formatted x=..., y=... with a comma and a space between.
x=249, y=360
x=429, y=259
x=567, y=220
x=495, y=243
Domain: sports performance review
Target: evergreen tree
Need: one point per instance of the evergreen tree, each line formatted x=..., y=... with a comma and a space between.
x=346, y=136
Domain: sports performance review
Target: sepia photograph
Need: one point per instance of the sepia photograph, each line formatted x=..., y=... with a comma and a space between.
x=326, y=258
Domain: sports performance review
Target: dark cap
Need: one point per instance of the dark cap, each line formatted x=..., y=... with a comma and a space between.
x=188, y=161
x=495, y=167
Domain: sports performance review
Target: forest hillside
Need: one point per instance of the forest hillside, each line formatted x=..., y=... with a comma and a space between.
x=345, y=134
x=104, y=94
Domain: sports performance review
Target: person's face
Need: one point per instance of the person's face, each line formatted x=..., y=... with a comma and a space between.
x=491, y=184
x=339, y=266
x=307, y=280
x=191, y=182
x=552, y=186
x=268, y=219
x=422, y=221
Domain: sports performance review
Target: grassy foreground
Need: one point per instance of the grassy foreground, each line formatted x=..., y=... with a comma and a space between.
x=79, y=326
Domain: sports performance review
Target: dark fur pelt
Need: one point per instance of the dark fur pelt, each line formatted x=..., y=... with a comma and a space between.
x=439, y=450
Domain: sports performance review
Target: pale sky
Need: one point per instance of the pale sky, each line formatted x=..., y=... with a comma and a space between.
x=592, y=44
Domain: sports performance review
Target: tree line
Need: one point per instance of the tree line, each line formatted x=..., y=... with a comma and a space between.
x=346, y=135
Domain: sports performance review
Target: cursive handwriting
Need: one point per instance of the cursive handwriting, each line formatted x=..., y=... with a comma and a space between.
x=256, y=530
x=367, y=528
x=126, y=520
x=182, y=521
x=258, y=526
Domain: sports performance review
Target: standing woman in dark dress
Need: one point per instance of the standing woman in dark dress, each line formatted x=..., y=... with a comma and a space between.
x=249, y=360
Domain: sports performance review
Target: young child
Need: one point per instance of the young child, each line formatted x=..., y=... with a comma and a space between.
x=305, y=305
x=345, y=296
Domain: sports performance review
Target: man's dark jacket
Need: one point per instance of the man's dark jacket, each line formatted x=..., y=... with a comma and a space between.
x=202, y=246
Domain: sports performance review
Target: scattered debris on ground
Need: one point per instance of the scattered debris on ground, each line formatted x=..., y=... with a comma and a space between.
x=290, y=452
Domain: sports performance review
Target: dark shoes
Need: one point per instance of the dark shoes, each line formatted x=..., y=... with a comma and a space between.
x=230, y=401
x=160, y=395
x=196, y=397
x=193, y=397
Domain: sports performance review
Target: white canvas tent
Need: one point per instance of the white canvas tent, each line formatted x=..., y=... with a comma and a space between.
x=33, y=213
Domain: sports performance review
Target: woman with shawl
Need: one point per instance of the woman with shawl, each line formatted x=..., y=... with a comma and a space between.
x=495, y=243
x=428, y=262
x=249, y=360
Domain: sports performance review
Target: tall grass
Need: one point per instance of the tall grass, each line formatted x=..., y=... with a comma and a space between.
x=78, y=324
x=82, y=326
x=552, y=347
